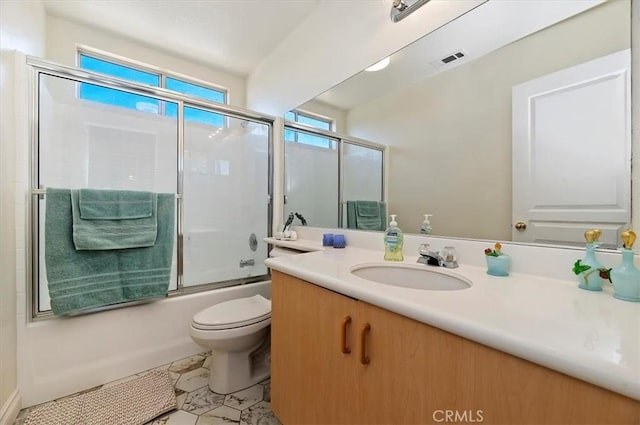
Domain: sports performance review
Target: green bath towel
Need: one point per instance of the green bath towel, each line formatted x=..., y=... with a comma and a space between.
x=80, y=280
x=101, y=234
x=366, y=215
x=99, y=204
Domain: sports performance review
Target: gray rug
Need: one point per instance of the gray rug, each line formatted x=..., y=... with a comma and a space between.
x=134, y=402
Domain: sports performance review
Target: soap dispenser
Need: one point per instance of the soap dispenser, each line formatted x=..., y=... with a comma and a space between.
x=588, y=269
x=393, y=240
x=626, y=277
x=425, y=228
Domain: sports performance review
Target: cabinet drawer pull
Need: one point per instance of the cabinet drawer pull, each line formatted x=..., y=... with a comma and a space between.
x=364, y=359
x=344, y=345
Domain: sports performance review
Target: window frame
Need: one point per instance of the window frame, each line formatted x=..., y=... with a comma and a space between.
x=82, y=50
x=299, y=112
x=296, y=133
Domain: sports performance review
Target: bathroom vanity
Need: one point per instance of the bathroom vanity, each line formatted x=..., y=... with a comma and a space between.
x=346, y=350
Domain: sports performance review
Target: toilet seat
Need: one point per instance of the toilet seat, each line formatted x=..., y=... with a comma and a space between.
x=233, y=314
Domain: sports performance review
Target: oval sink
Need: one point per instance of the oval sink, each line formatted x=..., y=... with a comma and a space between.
x=411, y=276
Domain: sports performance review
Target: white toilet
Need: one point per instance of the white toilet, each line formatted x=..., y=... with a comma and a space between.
x=237, y=332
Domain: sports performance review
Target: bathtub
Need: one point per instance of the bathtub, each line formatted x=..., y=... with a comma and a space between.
x=58, y=357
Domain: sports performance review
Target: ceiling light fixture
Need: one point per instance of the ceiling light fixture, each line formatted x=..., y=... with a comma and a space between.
x=400, y=9
x=379, y=65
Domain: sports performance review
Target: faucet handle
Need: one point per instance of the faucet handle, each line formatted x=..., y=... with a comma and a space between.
x=424, y=249
x=448, y=254
x=449, y=257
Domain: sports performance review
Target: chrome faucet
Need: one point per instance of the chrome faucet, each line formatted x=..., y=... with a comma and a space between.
x=447, y=258
x=245, y=263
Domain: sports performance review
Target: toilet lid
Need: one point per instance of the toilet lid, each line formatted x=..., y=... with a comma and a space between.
x=234, y=313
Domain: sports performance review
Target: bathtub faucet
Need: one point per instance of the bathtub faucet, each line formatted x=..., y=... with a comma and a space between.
x=245, y=263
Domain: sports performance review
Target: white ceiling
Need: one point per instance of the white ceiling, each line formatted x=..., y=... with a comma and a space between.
x=234, y=35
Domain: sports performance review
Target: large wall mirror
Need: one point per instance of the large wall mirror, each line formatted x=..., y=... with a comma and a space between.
x=518, y=111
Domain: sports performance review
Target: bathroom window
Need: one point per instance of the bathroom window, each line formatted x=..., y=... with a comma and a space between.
x=308, y=119
x=152, y=78
x=313, y=121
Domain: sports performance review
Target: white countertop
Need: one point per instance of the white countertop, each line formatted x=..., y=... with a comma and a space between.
x=589, y=335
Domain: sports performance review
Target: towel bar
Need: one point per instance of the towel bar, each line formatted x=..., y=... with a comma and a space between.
x=44, y=192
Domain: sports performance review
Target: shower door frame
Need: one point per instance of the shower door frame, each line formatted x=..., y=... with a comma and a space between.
x=38, y=67
x=340, y=140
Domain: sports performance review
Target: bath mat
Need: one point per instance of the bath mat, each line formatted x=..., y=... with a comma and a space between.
x=134, y=402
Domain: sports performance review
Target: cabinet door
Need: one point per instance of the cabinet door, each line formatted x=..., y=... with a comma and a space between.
x=312, y=381
x=405, y=380
x=418, y=374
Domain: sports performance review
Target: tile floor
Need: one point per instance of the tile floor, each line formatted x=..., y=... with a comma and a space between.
x=198, y=405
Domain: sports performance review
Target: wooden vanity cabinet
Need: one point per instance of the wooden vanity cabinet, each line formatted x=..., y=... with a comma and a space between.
x=416, y=374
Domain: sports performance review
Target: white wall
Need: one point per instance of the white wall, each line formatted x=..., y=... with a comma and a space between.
x=63, y=36
x=450, y=135
x=22, y=26
x=338, y=40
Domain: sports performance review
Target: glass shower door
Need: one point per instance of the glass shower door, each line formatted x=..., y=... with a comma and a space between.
x=125, y=145
x=225, y=195
x=311, y=178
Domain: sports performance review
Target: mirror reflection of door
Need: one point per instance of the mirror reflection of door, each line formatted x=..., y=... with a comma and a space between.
x=574, y=181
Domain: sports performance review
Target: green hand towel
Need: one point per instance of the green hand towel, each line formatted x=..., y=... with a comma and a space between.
x=351, y=215
x=112, y=234
x=99, y=204
x=368, y=209
x=80, y=280
x=366, y=215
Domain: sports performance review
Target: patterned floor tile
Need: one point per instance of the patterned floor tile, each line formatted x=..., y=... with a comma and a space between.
x=22, y=415
x=259, y=414
x=190, y=377
x=202, y=400
x=174, y=377
x=193, y=380
x=188, y=364
x=223, y=415
x=181, y=396
x=246, y=398
x=179, y=417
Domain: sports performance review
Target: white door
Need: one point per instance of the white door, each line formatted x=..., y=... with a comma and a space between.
x=572, y=153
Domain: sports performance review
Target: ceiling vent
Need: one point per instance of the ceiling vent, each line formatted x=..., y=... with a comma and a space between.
x=452, y=58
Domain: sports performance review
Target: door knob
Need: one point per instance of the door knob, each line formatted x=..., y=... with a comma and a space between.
x=521, y=226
